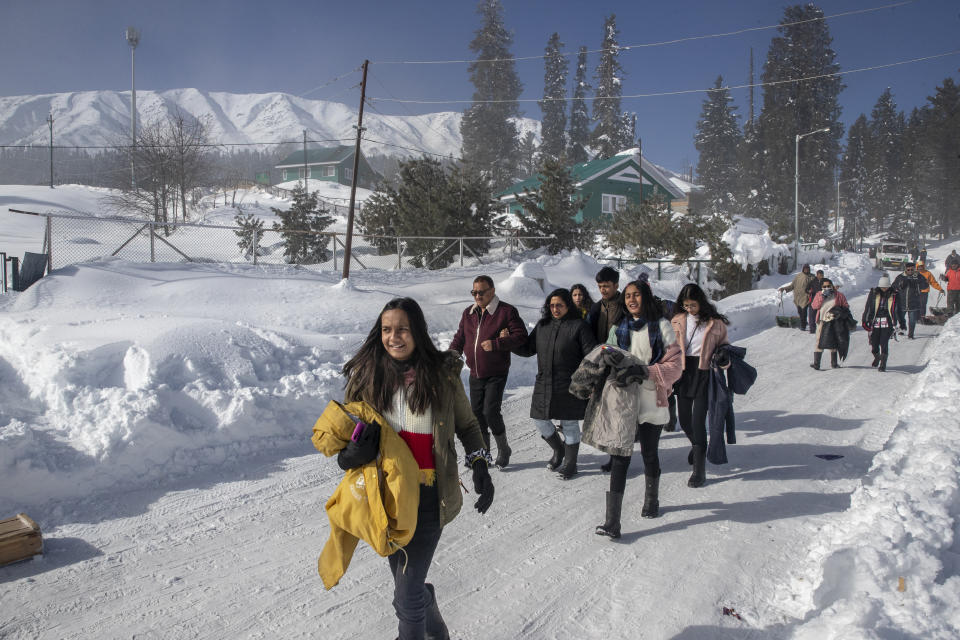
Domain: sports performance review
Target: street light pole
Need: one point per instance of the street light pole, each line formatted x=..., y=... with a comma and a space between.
x=133, y=39
x=796, y=193
x=836, y=223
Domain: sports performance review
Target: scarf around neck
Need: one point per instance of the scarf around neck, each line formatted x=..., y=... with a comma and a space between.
x=628, y=324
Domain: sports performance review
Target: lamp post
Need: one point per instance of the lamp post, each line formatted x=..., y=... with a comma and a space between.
x=796, y=193
x=836, y=220
x=133, y=39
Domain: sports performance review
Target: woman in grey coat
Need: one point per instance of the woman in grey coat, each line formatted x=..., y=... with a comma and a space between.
x=560, y=340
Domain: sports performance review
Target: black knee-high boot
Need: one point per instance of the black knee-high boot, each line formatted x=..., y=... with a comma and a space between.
x=557, y=445
x=611, y=526
x=651, y=496
x=569, y=467
x=834, y=364
x=699, y=475
x=817, y=357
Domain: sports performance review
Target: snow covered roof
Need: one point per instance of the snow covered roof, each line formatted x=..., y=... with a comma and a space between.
x=324, y=155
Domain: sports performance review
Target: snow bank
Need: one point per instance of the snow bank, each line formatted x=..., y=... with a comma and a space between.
x=750, y=242
x=888, y=566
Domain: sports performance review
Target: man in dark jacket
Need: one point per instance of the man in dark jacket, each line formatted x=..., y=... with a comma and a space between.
x=607, y=311
x=909, y=287
x=489, y=329
x=812, y=290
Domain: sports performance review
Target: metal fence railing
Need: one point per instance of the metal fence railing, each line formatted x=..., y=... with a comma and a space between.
x=69, y=239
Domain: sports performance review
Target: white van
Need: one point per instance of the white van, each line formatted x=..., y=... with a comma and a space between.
x=892, y=254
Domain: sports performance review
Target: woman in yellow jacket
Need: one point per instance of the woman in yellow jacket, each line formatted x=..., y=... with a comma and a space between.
x=416, y=388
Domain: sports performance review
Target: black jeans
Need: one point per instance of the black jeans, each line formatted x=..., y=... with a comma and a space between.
x=649, y=450
x=802, y=312
x=880, y=341
x=692, y=394
x=486, y=396
x=409, y=566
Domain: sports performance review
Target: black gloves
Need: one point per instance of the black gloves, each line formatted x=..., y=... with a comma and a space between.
x=483, y=485
x=363, y=450
x=722, y=358
x=628, y=375
x=611, y=357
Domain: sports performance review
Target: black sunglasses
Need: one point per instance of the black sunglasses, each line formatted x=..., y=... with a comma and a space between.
x=478, y=292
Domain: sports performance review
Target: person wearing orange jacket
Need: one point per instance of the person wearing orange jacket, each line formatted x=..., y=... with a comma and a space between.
x=932, y=282
x=952, y=278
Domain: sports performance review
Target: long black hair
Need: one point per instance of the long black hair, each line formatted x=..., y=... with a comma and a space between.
x=587, y=300
x=650, y=309
x=708, y=311
x=373, y=375
x=573, y=312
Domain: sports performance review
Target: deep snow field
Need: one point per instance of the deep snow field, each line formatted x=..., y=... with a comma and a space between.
x=155, y=419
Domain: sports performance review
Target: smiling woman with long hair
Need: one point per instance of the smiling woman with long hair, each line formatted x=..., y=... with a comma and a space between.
x=400, y=373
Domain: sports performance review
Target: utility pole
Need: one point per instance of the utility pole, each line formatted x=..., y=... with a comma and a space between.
x=353, y=185
x=306, y=167
x=133, y=38
x=50, y=122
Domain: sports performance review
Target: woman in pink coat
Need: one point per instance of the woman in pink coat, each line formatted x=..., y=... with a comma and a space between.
x=700, y=329
x=826, y=300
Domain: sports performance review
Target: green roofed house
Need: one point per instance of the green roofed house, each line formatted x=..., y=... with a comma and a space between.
x=610, y=183
x=334, y=164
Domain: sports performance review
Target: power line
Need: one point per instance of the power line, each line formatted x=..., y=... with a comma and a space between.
x=170, y=146
x=329, y=82
x=682, y=91
x=660, y=43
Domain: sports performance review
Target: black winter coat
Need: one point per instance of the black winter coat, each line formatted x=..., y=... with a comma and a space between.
x=560, y=346
x=836, y=333
x=908, y=289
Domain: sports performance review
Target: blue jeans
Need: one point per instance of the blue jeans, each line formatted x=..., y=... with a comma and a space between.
x=571, y=429
x=412, y=600
x=912, y=317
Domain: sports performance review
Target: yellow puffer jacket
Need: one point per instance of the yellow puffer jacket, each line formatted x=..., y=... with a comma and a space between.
x=376, y=503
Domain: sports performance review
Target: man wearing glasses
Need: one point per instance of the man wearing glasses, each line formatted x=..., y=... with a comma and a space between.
x=909, y=286
x=489, y=329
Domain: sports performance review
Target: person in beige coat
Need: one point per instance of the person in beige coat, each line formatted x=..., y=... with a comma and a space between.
x=801, y=296
x=700, y=329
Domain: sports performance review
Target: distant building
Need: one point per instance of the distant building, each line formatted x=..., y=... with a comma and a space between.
x=610, y=183
x=334, y=164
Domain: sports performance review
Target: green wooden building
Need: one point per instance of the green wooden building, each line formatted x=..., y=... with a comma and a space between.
x=610, y=183
x=334, y=164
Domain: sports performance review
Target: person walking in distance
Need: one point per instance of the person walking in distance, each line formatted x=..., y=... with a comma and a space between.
x=812, y=290
x=931, y=282
x=878, y=320
x=801, y=294
x=952, y=278
x=607, y=311
x=560, y=340
x=699, y=330
x=489, y=330
x=824, y=303
x=909, y=287
x=416, y=388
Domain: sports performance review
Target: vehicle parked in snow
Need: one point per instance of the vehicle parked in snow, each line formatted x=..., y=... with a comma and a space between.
x=892, y=254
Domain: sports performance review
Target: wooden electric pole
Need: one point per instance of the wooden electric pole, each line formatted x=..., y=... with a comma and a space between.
x=353, y=186
x=50, y=122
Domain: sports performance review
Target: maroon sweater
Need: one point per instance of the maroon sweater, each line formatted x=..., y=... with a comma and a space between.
x=478, y=325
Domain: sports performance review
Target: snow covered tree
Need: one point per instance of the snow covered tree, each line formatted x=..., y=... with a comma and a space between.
x=301, y=228
x=250, y=227
x=717, y=140
x=608, y=134
x=429, y=200
x=941, y=133
x=550, y=210
x=527, y=154
x=554, y=103
x=794, y=105
x=854, y=172
x=579, y=115
x=884, y=164
x=489, y=134
x=650, y=230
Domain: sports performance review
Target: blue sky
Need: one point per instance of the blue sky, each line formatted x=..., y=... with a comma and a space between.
x=298, y=47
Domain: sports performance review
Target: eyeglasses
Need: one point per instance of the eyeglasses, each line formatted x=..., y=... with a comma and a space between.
x=691, y=305
x=479, y=292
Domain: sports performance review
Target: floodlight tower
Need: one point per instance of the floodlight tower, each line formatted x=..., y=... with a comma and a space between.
x=133, y=39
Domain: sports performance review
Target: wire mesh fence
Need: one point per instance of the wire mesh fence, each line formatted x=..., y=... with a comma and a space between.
x=70, y=239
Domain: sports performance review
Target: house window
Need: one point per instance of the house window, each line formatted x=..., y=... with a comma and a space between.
x=612, y=204
x=348, y=174
x=301, y=172
x=328, y=171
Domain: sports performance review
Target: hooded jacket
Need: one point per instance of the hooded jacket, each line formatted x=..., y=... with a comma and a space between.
x=478, y=325
x=376, y=503
x=799, y=286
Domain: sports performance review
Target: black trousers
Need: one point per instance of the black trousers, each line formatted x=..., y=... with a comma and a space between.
x=802, y=312
x=880, y=341
x=649, y=451
x=411, y=598
x=486, y=396
x=692, y=393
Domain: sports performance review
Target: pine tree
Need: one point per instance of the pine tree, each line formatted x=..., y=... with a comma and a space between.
x=884, y=163
x=942, y=133
x=608, y=134
x=855, y=173
x=489, y=134
x=579, y=115
x=250, y=233
x=550, y=210
x=554, y=104
x=301, y=228
x=794, y=106
x=717, y=140
x=527, y=153
x=650, y=230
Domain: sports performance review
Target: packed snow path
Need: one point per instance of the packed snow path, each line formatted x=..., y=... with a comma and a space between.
x=234, y=554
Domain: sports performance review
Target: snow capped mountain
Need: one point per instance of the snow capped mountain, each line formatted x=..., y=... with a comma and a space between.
x=92, y=118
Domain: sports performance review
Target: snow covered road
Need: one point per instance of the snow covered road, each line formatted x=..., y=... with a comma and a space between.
x=232, y=554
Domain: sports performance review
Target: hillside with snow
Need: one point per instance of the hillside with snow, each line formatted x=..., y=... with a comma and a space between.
x=103, y=118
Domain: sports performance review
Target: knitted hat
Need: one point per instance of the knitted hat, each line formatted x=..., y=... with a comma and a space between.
x=884, y=282
x=919, y=263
